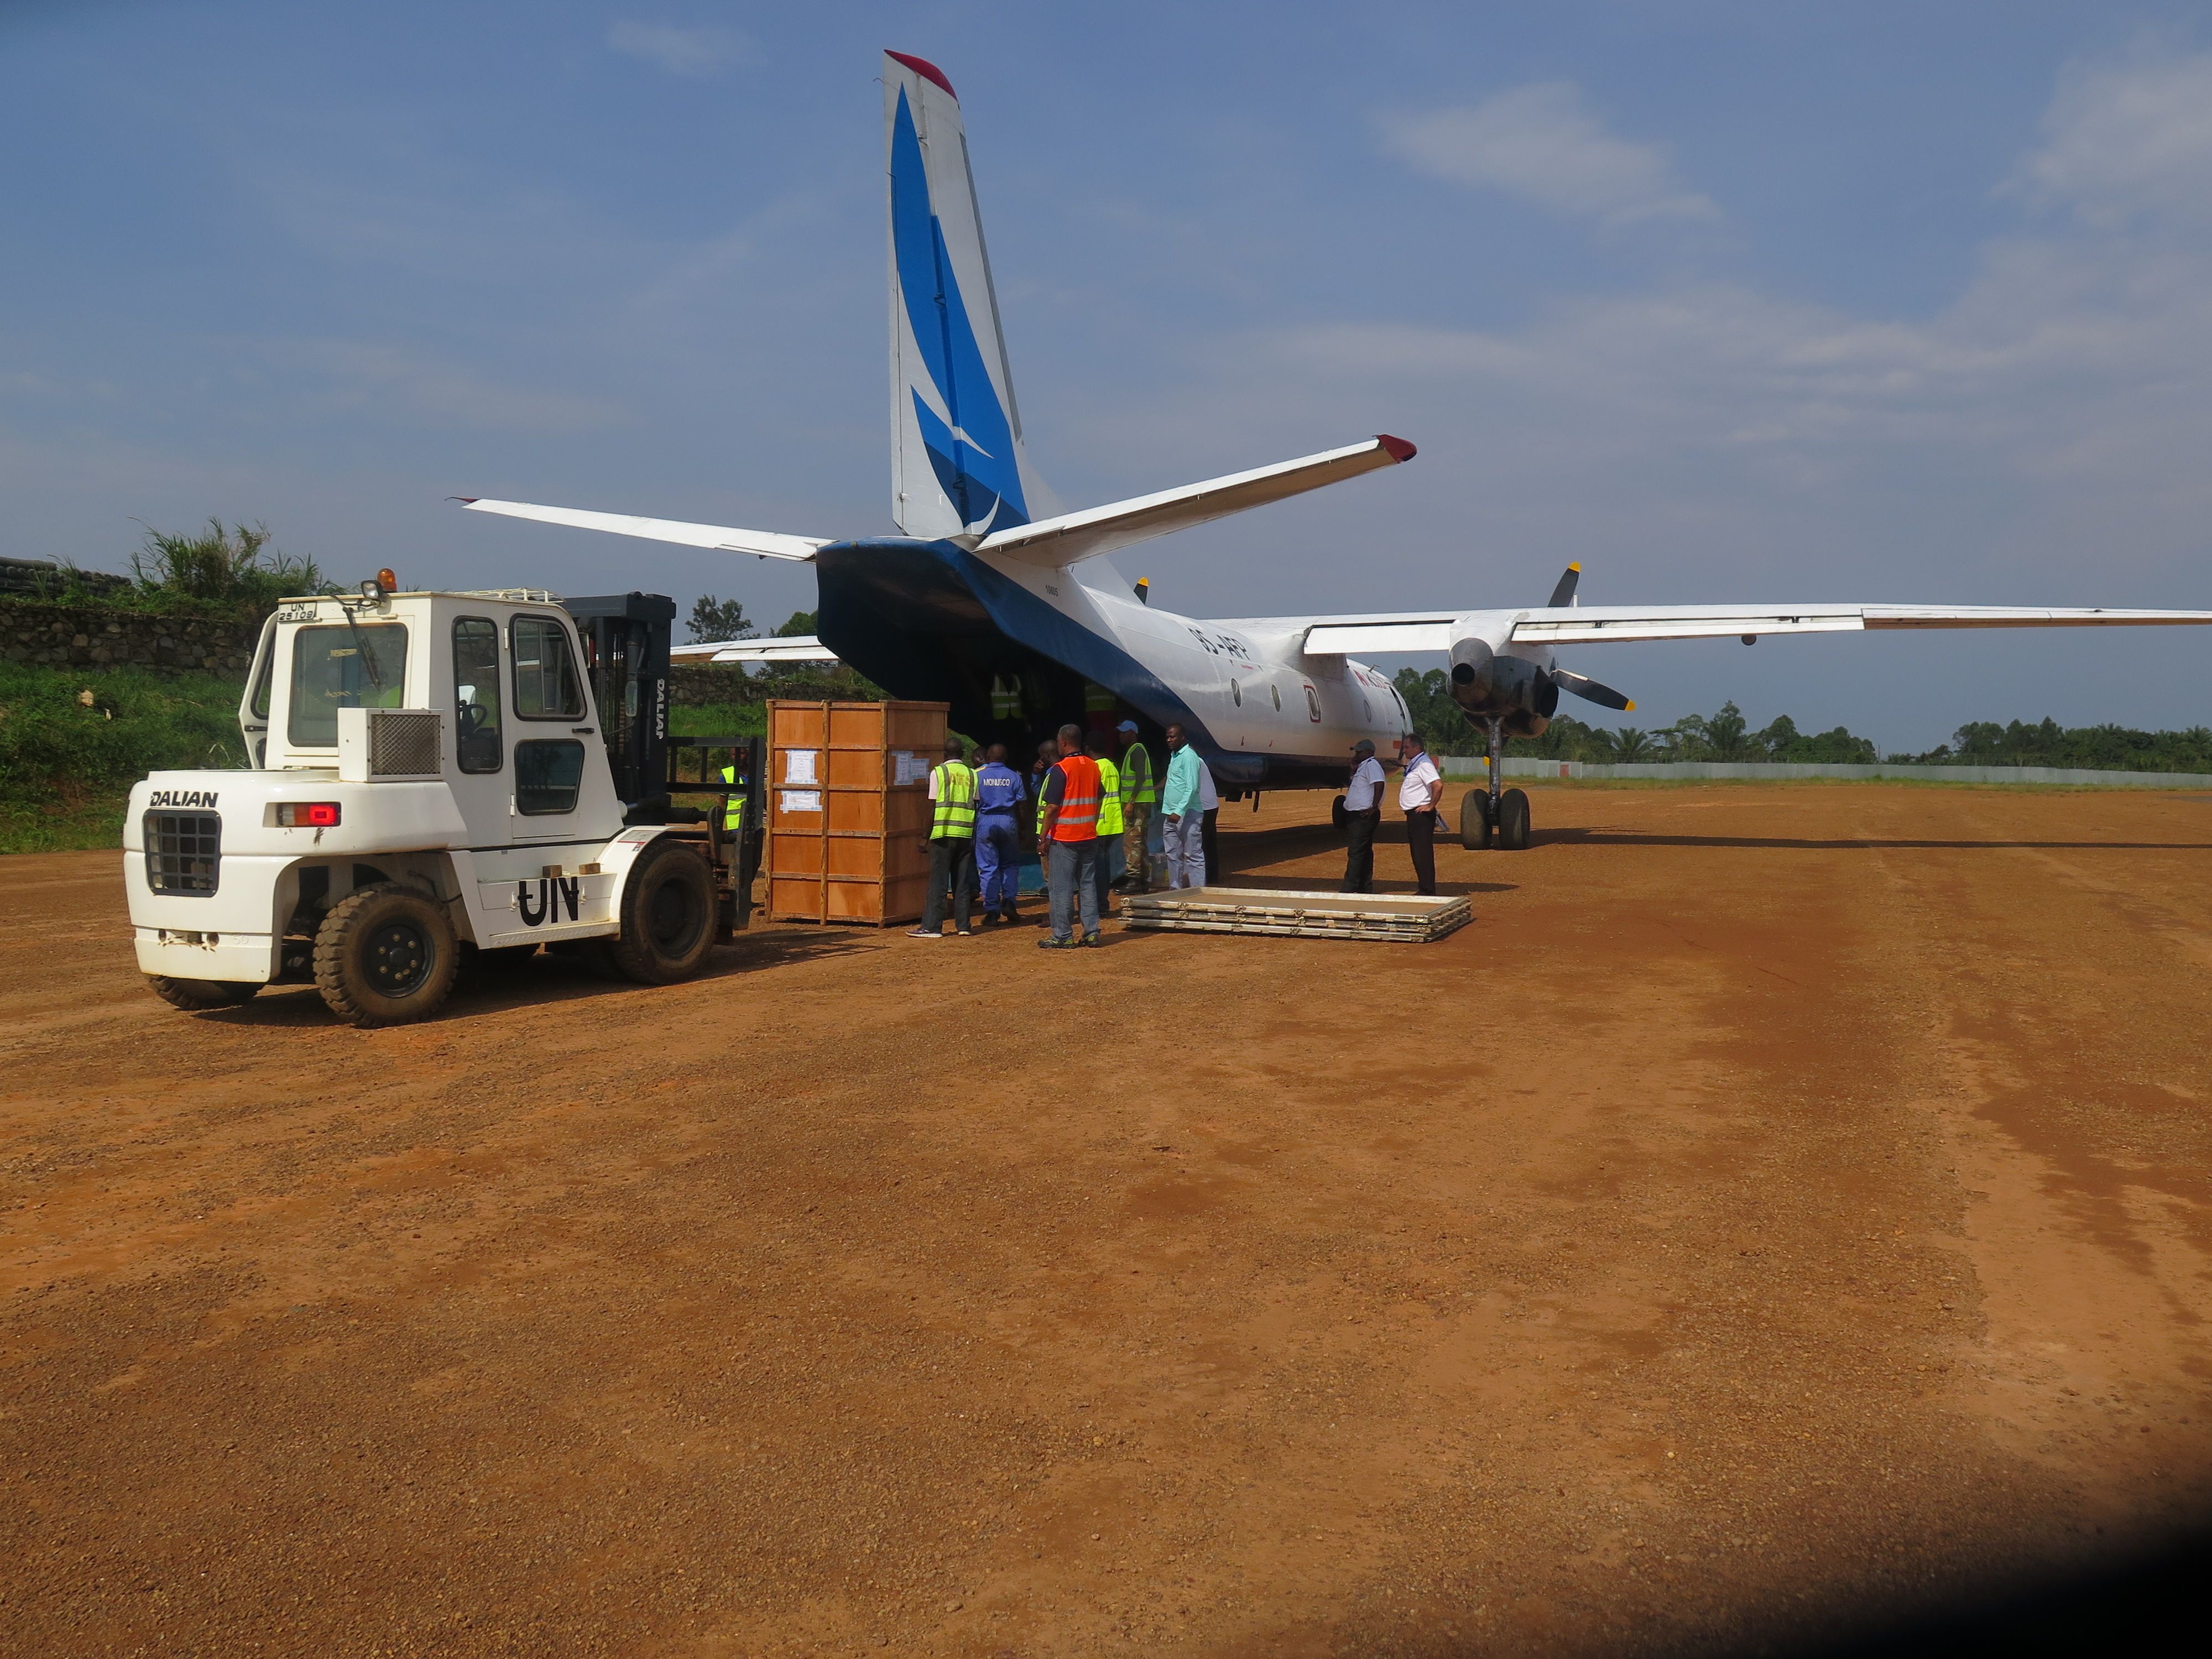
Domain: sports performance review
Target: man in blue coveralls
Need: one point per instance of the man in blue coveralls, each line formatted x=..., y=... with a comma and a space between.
x=999, y=796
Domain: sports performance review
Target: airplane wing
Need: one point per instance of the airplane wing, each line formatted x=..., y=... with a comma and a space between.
x=767, y=543
x=800, y=647
x=1433, y=630
x=1052, y=542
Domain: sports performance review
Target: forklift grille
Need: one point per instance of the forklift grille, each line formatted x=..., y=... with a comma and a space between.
x=402, y=743
x=183, y=852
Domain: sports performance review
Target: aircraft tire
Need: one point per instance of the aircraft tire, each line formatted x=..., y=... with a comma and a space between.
x=386, y=955
x=668, y=916
x=197, y=996
x=1337, y=815
x=1474, y=819
x=1513, y=820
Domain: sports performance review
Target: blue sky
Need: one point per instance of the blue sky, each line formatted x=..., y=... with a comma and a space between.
x=1727, y=300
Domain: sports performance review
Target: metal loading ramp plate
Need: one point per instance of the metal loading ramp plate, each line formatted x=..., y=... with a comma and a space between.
x=1406, y=916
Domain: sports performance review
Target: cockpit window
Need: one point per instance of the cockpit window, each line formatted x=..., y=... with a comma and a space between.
x=361, y=665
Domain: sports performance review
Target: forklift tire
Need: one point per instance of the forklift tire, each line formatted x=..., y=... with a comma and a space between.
x=386, y=956
x=197, y=996
x=1513, y=821
x=1474, y=819
x=668, y=916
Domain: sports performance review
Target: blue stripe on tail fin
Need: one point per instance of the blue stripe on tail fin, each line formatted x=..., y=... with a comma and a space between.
x=956, y=466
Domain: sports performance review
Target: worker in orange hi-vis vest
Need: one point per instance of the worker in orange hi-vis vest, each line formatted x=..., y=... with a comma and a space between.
x=1070, y=828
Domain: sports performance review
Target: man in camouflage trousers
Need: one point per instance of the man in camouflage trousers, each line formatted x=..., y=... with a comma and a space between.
x=1139, y=795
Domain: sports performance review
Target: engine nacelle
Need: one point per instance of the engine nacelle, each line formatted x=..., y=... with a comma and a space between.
x=1488, y=679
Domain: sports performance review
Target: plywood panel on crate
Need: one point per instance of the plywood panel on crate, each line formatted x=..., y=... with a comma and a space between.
x=863, y=858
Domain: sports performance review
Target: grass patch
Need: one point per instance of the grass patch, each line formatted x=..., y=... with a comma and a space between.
x=719, y=719
x=67, y=763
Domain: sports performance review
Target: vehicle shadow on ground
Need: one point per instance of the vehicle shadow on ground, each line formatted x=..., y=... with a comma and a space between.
x=1585, y=837
x=539, y=980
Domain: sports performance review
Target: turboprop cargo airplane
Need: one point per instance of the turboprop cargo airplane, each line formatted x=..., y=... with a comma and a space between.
x=1017, y=621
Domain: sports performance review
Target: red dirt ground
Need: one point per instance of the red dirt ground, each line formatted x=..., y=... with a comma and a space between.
x=1778, y=1202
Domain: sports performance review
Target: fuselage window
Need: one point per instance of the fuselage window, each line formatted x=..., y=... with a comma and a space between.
x=475, y=694
x=1237, y=694
x=1276, y=692
x=1313, y=703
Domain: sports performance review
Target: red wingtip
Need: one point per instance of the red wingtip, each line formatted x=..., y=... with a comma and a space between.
x=925, y=70
x=1399, y=449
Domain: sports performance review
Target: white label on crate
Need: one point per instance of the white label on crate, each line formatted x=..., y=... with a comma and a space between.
x=799, y=767
x=907, y=767
x=800, y=800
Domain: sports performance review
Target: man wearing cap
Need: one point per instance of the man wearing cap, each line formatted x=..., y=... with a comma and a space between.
x=1363, y=813
x=1138, y=796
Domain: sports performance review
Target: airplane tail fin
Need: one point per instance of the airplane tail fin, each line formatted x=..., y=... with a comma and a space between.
x=956, y=462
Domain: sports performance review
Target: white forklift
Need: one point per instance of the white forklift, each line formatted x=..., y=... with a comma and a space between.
x=436, y=777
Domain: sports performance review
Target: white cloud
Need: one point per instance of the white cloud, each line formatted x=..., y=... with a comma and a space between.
x=1544, y=143
x=696, y=53
x=2124, y=138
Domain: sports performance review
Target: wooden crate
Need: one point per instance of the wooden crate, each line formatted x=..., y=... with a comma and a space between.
x=848, y=809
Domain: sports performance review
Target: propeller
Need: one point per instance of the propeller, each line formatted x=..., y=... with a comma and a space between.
x=1589, y=690
x=1564, y=594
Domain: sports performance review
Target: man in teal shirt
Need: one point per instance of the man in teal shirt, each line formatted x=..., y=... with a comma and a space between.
x=1182, y=821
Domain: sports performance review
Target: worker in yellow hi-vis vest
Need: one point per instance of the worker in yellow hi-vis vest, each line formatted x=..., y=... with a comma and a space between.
x=951, y=844
x=1140, y=793
x=733, y=804
x=1110, y=812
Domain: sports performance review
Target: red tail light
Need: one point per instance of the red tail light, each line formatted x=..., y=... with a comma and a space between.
x=307, y=814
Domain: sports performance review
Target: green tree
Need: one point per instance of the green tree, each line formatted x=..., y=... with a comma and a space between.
x=2101, y=748
x=714, y=620
x=801, y=624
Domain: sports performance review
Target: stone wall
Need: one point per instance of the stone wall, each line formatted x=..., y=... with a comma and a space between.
x=91, y=636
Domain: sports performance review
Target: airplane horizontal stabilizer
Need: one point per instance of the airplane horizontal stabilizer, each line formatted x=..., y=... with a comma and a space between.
x=1433, y=630
x=766, y=544
x=800, y=647
x=1052, y=543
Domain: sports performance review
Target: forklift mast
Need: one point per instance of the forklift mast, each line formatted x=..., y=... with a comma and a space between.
x=626, y=640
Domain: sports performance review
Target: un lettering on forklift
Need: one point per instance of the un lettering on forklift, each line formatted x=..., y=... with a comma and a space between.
x=553, y=892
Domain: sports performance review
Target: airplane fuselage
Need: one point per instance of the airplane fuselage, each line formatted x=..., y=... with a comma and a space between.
x=1018, y=650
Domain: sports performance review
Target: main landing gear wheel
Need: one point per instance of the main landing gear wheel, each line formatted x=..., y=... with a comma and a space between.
x=386, y=956
x=1513, y=821
x=667, y=916
x=197, y=996
x=1337, y=815
x=1474, y=819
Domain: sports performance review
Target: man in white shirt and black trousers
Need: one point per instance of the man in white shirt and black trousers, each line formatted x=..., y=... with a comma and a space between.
x=1363, y=813
x=1418, y=791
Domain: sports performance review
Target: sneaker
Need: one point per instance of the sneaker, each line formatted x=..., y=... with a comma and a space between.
x=966, y=933
x=1049, y=944
x=922, y=933
x=1090, y=941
